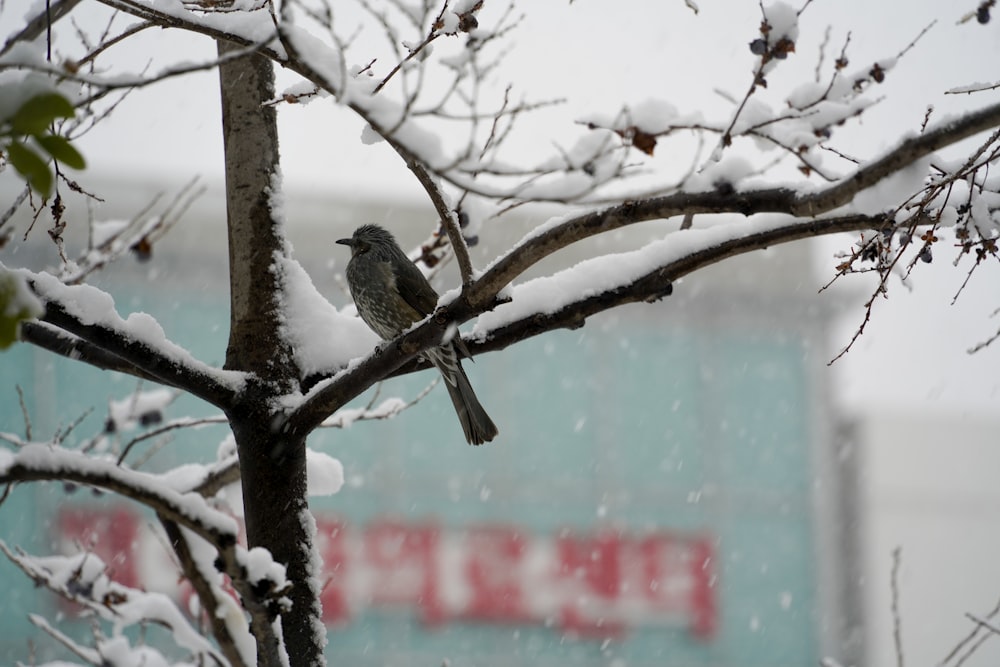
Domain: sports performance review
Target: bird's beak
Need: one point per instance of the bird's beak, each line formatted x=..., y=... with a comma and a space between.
x=346, y=242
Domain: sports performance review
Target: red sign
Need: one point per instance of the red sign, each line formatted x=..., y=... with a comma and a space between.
x=589, y=585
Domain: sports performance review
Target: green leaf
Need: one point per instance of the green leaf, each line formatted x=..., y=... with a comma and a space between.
x=60, y=148
x=37, y=113
x=32, y=167
x=17, y=304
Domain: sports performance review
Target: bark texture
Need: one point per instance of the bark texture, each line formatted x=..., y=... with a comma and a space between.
x=272, y=462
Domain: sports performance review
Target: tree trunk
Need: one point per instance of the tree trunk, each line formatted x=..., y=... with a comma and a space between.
x=272, y=464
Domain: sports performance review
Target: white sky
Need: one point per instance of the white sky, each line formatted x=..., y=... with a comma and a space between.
x=602, y=54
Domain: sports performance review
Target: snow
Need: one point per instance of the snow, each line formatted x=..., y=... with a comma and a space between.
x=82, y=578
x=548, y=294
x=23, y=302
x=323, y=338
x=102, y=232
x=260, y=566
x=325, y=474
x=345, y=417
x=128, y=413
x=313, y=580
x=369, y=136
x=92, y=306
x=974, y=87
x=52, y=461
x=324, y=60
x=784, y=20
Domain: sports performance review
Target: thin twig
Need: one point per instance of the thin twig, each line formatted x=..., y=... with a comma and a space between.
x=984, y=623
x=24, y=413
x=897, y=623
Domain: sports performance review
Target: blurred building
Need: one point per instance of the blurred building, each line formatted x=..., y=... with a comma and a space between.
x=668, y=487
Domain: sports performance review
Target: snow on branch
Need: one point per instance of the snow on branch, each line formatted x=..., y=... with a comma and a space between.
x=807, y=203
x=258, y=580
x=82, y=579
x=43, y=462
x=685, y=254
x=566, y=298
x=89, y=314
x=225, y=617
x=54, y=339
x=40, y=22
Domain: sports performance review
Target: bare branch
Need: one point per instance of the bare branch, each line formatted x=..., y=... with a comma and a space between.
x=104, y=86
x=208, y=595
x=24, y=413
x=40, y=23
x=184, y=422
x=897, y=623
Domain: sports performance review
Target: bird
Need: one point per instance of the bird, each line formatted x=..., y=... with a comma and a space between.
x=391, y=294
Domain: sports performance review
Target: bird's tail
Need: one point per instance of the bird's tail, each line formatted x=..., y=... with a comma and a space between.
x=476, y=424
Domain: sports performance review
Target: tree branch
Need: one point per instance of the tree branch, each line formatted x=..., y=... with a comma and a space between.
x=658, y=282
x=205, y=590
x=53, y=339
x=225, y=474
x=908, y=152
x=34, y=463
x=381, y=363
x=539, y=245
x=448, y=218
x=40, y=23
x=147, y=360
x=46, y=463
x=482, y=295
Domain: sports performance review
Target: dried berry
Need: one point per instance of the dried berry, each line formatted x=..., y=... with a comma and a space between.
x=150, y=418
x=783, y=48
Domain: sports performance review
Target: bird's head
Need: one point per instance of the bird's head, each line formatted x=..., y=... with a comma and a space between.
x=365, y=237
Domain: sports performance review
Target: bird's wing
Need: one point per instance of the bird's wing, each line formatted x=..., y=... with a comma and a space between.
x=414, y=288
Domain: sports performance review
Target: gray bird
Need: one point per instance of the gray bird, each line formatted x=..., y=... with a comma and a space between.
x=391, y=295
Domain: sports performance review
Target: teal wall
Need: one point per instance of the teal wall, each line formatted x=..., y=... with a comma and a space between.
x=638, y=426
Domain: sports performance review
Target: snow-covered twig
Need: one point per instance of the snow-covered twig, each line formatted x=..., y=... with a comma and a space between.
x=82, y=579
x=190, y=510
x=387, y=409
x=809, y=204
x=54, y=339
x=42, y=462
x=40, y=22
x=224, y=616
x=88, y=313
